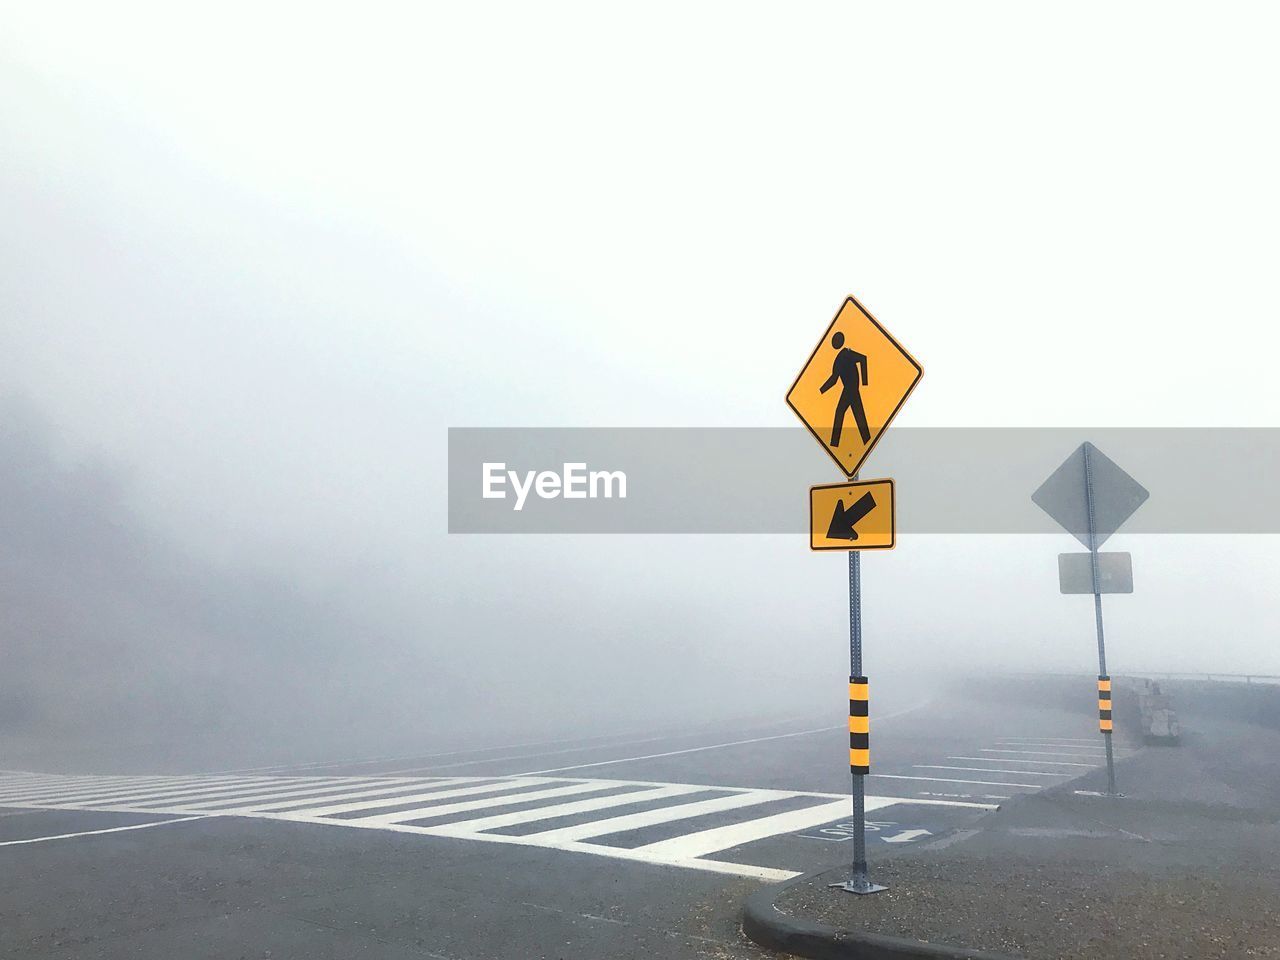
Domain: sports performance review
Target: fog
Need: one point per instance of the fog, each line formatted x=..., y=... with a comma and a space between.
x=255, y=267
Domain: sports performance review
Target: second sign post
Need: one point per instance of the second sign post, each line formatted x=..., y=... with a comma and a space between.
x=852, y=386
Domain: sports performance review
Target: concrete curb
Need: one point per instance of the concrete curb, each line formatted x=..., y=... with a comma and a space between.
x=764, y=923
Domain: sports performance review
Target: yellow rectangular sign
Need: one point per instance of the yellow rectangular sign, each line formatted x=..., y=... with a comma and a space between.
x=854, y=383
x=852, y=516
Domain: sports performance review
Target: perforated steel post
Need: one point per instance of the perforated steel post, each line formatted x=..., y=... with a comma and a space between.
x=859, y=735
x=1104, y=724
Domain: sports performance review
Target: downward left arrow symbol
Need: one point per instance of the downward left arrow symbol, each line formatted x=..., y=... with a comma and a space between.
x=843, y=521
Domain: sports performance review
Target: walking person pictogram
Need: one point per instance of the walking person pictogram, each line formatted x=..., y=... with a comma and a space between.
x=850, y=368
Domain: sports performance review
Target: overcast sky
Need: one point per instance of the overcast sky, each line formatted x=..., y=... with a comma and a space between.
x=258, y=258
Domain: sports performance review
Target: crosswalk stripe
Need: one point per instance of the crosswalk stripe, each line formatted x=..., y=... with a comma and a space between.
x=19, y=778
x=703, y=842
x=443, y=809
x=240, y=791
x=649, y=818
x=381, y=791
x=296, y=795
x=15, y=794
x=492, y=786
x=567, y=809
x=155, y=792
x=34, y=779
x=50, y=785
x=125, y=789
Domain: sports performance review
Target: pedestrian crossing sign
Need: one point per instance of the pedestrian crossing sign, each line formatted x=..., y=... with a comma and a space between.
x=852, y=516
x=853, y=385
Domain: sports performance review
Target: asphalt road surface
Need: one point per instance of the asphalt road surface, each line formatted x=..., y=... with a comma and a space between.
x=636, y=844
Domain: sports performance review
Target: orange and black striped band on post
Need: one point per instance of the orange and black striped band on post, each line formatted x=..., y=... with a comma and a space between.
x=1104, y=703
x=859, y=727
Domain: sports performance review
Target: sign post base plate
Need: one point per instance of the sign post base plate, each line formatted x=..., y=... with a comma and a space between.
x=859, y=885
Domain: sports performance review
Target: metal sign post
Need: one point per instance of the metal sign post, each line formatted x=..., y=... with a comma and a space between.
x=874, y=375
x=858, y=881
x=1091, y=512
x=1104, y=722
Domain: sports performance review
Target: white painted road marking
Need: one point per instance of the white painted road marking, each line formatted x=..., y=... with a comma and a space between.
x=529, y=756
x=159, y=786
x=382, y=792
x=1038, y=763
x=285, y=768
x=314, y=789
x=985, y=783
x=486, y=786
x=361, y=801
x=444, y=809
x=174, y=794
x=567, y=809
x=88, y=786
x=715, y=839
x=94, y=833
x=717, y=746
x=1021, y=773
x=906, y=836
x=650, y=818
x=676, y=753
x=1035, y=753
x=597, y=742
x=1069, y=747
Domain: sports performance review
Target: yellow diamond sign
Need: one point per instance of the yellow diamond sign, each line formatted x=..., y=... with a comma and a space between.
x=854, y=384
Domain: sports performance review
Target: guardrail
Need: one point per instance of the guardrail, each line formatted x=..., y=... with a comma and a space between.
x=1249, y=678
x=1214, y=677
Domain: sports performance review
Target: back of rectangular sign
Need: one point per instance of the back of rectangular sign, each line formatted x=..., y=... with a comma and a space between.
x=1115, y=573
